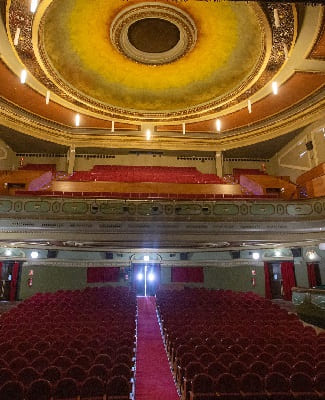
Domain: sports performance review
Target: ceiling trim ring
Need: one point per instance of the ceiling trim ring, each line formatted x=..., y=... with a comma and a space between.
x=119, y=32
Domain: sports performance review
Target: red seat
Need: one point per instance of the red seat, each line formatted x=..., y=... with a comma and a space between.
x=252, y=386
x=302, y=386
x=40, y=389
x=12, y=390
x=278, y=387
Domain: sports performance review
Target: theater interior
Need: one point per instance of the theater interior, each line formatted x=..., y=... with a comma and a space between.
x=162, y=184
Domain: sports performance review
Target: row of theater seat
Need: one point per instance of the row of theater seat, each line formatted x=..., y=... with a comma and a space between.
x=69, y=344
x=222, y=334
x=120, y=173
x=145, y=196
x=250, y=386
x=92, y=388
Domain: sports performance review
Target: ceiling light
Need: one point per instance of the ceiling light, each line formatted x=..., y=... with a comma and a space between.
x=184, y=130
x=256, y=256
x=151, y=277
x=23, y=76
x=249, y=106
x=146, y=258
x=8, y=252
x=77, y=119
x=277, y=253
x=311, y=254
x=113, y=126
x=48, y=95
x=33, y=5
x=34, y=254
x=275, y=88
x=218, y=125
x=276, y=18
x=16, y=39
x=148, y=134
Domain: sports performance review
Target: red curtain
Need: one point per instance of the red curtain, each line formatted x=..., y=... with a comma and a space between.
x=103, y=274
x=1, y=270
x=268, y=292
x=187, y=274
x=288, y=279
x=313, y=274
x=14, y=279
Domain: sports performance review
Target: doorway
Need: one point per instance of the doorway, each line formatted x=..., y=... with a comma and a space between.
x=9, y=276
x=275, y=280
x=146, y=278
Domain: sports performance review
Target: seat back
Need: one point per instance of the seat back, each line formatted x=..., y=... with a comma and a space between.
x=66, y=388
x=118, y=386
x=40, y=389
x=227, y=383
x=251, y=383
x=276, y=383
x=301, y=382
x=12, y=390
x=203, y=383
x=92, y=387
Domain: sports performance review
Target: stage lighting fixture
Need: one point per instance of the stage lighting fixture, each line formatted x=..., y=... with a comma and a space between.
x=140, y=276
x=151, y=277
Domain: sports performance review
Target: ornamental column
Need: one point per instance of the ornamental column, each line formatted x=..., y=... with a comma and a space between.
x=71, y=156
x=219, y=163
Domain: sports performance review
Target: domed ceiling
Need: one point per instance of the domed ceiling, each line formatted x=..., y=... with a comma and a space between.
x=226, y=50
x=171, y=66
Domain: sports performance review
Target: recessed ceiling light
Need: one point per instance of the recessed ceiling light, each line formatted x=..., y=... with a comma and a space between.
x=218, y=125
x=34, y=254
x=275, y=88
x=48, y=95
x=33, y=6
x=249, y=106
x=23, y=76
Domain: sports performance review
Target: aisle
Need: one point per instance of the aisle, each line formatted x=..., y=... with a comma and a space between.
x=154, y=380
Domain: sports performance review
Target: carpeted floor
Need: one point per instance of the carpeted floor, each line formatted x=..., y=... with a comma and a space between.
x=154, y=380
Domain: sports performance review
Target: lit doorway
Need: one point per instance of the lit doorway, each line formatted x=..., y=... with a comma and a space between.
x=146, y=278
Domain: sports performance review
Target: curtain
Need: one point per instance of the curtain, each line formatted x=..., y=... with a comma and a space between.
x=1, y=270
x=288, y=279
x=313, y=274
x=268, y=292
x=14, y=279
x=103, y=274
x=187, y=274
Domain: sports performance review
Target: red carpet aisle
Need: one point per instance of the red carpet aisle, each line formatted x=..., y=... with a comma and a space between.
x=154, y=380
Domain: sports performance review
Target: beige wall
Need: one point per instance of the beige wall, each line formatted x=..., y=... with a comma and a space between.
x=7, y=157
x=293, y=159
x=207, y=166
x=60, y=162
